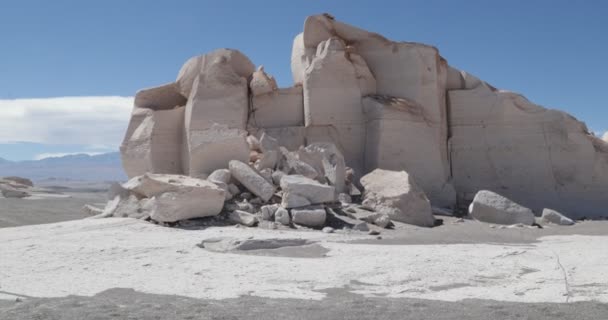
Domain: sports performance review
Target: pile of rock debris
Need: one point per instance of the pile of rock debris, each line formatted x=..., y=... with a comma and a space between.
x=311, y=187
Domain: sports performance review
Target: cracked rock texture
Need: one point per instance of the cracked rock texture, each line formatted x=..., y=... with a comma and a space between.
x=383, y=104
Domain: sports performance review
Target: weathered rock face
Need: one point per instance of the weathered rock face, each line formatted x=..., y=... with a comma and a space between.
x=490, y=207
x=153, y=142
x=396, y=194
x=211, y=149
x=535, y=156
x=400, y=70
x=278, y=108
x=379, y=104
x=401, y=135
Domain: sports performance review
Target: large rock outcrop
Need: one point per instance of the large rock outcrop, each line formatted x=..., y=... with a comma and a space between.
x=537, y=157
x=399, y=70
x=380, y=104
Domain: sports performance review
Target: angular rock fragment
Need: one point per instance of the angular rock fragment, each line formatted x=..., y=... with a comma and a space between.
x=292, y=200
x=290, y=164
x=282, y=216
x=243, y=217
x=328, y=161
x=297, y=186
x=313, y=216
x=261, y=82
x=253, y=181
x=490, y=207
x=175, y=197
x=221, y=175
x=270, y=152
x=396, y=194
x=267, y=212
x=163, y=97
x=555, y=217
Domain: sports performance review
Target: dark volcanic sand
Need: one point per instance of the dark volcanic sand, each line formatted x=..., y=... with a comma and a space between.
x=339, y=304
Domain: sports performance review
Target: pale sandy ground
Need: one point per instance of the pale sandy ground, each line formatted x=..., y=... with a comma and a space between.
x=468, y=270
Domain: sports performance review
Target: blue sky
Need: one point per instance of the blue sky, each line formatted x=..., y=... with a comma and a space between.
x=552, y=51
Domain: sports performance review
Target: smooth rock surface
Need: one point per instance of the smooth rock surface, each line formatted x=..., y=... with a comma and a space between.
x=491, y=207
x=211, y=149
x=555, y=217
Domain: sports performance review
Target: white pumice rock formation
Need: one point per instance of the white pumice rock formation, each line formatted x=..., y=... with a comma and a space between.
x=490, y=207
x=396, y=194
x=364, y=102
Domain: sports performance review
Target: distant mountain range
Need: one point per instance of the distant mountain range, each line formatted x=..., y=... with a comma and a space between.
x=103, y=167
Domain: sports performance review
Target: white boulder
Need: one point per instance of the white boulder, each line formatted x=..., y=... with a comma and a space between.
x=282, y=216
x=300, y=187
x=491, y=207
x=313, y=216
x=220, y=175
x=243, y=217
x=552, y=216
x=252, y=180
x=396, y=194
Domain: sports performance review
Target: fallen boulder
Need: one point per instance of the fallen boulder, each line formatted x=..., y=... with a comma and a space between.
x=396, y=194
x=243, y=217
x=552, y=216
x=313, y=216
x=252, y=180
x=282, y=216
x=297, y=186
x=491, y=207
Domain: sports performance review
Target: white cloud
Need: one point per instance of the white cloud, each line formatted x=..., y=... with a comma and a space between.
x=61, y=154
x=94, y=121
